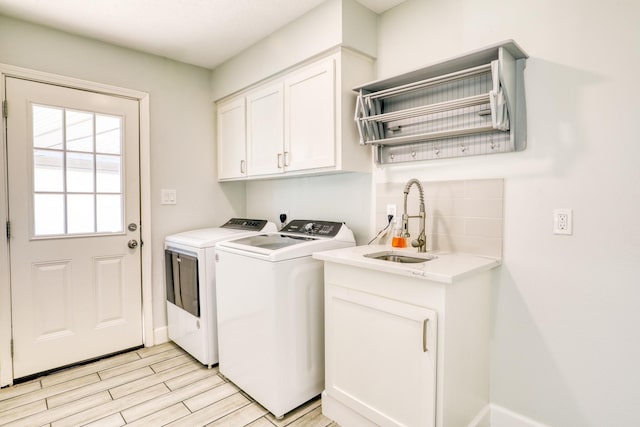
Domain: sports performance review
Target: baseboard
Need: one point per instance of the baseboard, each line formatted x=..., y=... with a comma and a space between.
x=483, y=419
x=160, y=335
x=490, y=416
x=496, y=416
x=343, y=415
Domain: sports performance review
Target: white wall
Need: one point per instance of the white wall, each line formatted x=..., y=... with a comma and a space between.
x=320, y=29
x=280, y=50
x=344, y=197
x=182, y=124
x=565, y=348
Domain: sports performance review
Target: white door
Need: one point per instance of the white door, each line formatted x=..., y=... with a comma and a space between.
x=232, y=162
x=74, y=209
x=379, y=332
x=310, y=131
x=265, y=133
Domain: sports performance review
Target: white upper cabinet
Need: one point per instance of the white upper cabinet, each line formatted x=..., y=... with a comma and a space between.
x=265, y=138
x=232, y=161
x=299, y=122
x=310, y=117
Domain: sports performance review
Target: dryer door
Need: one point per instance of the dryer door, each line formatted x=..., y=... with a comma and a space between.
x=182, y=281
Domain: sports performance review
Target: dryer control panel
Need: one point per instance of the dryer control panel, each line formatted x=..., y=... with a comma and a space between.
x=313, y=228
x=245, y=224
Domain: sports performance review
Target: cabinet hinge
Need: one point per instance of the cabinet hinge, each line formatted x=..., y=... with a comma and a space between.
x=5, y=109
x=8, y=230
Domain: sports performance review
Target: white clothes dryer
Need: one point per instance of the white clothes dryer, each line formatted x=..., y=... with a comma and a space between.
x=271, y=311
x=191, y=284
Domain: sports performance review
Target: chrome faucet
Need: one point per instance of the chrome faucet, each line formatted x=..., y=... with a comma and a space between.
x=421, y=241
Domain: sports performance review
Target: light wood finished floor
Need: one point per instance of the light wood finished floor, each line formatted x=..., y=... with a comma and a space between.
x=157, y=386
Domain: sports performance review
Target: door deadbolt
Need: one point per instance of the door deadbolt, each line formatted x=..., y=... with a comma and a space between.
x=132, y=227
x=132, y=244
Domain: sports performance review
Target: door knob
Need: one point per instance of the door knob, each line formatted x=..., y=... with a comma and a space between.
x=132, y=244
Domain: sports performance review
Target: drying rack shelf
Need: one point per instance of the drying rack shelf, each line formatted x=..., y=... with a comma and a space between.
x=472, y=104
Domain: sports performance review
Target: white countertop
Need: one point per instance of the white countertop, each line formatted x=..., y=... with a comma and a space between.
x=445, y=268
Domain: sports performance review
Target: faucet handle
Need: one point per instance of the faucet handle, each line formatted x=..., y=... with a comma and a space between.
x=420, y=243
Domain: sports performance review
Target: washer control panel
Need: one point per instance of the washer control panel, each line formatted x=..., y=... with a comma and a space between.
x=313, y=228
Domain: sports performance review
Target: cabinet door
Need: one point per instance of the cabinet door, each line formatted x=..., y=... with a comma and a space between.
x=381, y=357
x=310, y=125
x=231, y=139
x=265, y=139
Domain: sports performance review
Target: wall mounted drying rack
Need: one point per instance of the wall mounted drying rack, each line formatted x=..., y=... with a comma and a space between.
x=469, y=105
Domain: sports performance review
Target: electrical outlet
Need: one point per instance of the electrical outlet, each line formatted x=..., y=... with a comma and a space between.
x=391, y=210
x=562, y=221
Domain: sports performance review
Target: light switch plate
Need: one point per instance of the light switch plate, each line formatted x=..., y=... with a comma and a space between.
x=168, y=197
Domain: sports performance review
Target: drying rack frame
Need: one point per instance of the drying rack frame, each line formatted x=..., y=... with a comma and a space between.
x=467, y=105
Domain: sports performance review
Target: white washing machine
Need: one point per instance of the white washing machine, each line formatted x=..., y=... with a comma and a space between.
x=271, y=311
x=191, y=284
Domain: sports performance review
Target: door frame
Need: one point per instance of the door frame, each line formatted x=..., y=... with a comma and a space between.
x=6, y=359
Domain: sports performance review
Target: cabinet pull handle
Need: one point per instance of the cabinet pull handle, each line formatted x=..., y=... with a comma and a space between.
x=286, y=158
x=424, y=335
x=242, y=163
x=279, y=160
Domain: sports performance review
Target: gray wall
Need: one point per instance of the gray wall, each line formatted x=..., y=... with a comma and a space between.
x=181, y=120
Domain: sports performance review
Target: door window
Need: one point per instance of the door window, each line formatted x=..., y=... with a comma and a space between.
x=77, y=172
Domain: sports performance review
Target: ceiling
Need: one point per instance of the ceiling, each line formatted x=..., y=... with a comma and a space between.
x=200, y=32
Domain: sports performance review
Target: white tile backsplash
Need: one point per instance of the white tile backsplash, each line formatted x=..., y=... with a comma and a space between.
x=462, y=216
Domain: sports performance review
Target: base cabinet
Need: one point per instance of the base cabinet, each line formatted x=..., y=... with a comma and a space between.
x=394, y=340
x=406, y=352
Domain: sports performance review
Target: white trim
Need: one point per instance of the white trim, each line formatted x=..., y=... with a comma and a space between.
x=483, y=419
x=503, y=417
x=490, y=416
x=71, y=82
x=161, y=335
x=145, y=221
x=6, y=362
x=497, y=416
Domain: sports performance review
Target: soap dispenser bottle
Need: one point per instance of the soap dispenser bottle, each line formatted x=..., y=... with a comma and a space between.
x=398, y=241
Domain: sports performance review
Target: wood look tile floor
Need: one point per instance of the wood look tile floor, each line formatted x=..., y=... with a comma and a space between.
x=156, y=386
